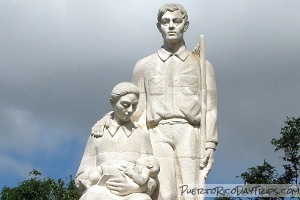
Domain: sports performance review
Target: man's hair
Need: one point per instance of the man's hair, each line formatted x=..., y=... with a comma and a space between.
x=172, y=8
x=122, y=89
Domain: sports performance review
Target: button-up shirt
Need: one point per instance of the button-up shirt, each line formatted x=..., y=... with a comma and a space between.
x=117, y=144
x=169, y=85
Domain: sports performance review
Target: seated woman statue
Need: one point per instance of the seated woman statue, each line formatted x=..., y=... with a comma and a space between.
x=112, y=153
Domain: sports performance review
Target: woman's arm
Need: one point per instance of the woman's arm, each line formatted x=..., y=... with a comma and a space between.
x=88, y=163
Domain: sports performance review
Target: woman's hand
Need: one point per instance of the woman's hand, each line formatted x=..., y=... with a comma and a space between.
x=122, y=187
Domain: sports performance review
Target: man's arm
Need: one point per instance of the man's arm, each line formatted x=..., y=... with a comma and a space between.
x=212, y=109
x=211, y=120
x=138, y=80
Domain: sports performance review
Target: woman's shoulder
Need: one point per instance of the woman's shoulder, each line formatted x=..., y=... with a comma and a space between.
x=100, y=126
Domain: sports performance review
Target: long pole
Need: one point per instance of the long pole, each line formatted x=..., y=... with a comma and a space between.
x=203, y=87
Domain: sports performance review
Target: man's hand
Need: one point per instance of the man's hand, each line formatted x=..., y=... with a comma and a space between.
x=98, y=128
x=206, y=165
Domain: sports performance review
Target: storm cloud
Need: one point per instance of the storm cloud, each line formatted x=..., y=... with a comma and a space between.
x=59, y=61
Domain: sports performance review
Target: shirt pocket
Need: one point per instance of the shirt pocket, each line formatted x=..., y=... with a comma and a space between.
x=190, y=84
x=157, y=85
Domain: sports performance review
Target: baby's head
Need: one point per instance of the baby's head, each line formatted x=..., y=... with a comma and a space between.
x=151, y=163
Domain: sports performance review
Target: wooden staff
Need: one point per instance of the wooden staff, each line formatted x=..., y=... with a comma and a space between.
x=203, y=87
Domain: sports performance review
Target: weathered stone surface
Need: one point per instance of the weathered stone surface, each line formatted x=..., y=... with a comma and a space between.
x=176, y=117
x=179, y=105
x=118, y=162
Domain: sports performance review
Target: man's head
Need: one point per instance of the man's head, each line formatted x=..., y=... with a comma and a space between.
x=172, y=8
x=172, y=21
x=124, y=99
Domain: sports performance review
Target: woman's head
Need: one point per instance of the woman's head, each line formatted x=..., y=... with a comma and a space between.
x=124, y=99
x=122, y=89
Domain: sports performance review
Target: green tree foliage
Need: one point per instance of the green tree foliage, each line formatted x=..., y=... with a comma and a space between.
x=38, y=188
x=263, y=174
x=289, y=143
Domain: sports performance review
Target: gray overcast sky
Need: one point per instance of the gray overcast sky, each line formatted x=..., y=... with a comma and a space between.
x=59, y=60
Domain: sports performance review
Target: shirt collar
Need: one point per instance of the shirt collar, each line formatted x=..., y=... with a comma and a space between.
x=164, y=55
x=114, y=128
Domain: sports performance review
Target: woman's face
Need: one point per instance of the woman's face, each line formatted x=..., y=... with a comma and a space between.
x=125, y=107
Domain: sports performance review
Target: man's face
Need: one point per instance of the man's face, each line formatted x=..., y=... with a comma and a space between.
x=125, y=107
x=172, y=26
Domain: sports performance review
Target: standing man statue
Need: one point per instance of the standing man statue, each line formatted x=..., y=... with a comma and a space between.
x=179, y=111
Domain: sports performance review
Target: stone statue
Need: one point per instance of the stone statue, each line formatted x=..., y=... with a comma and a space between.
x=178, y=103
x=177, y=108
x=117, y=163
